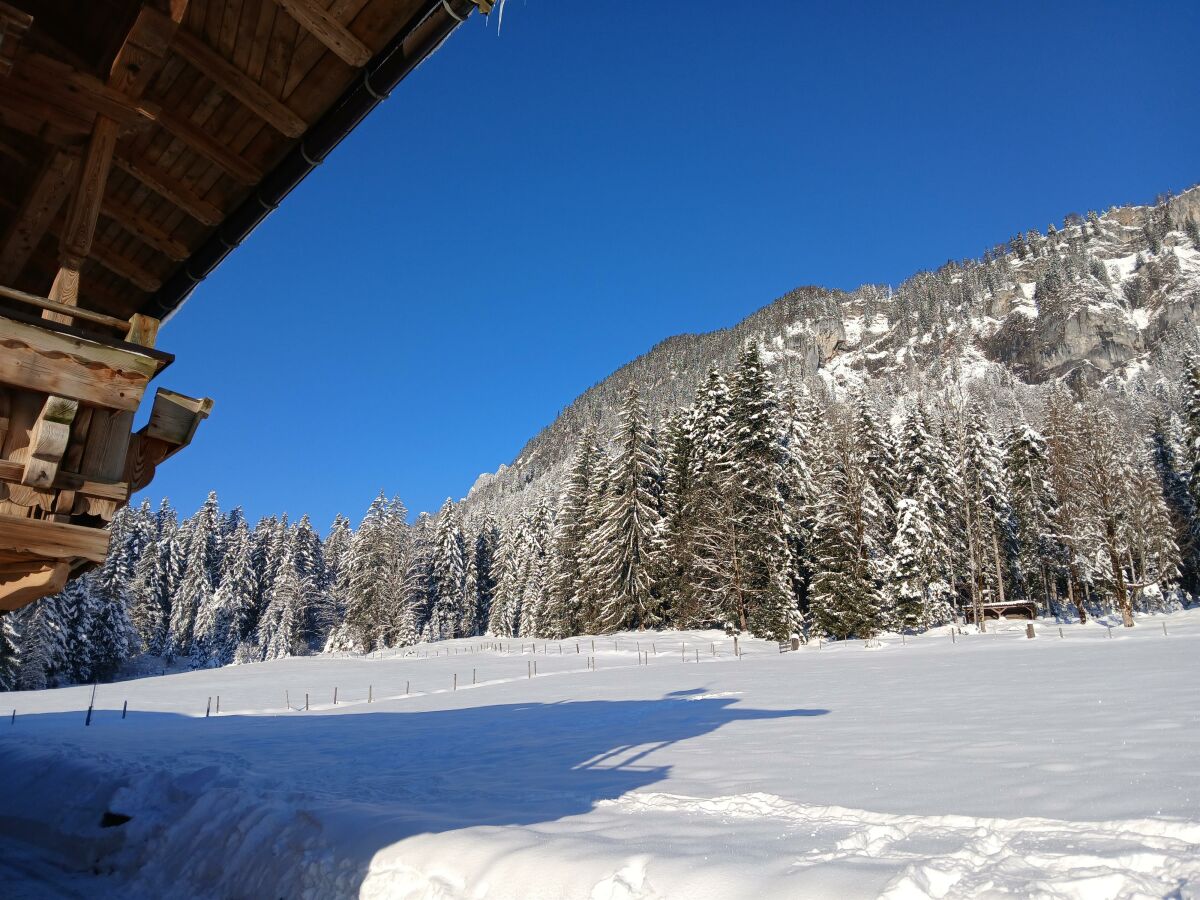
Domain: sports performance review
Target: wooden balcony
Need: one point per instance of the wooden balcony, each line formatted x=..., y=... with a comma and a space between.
x=68, y=456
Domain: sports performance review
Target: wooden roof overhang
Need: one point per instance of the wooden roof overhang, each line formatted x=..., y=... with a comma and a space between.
x=202, y=114
x=140, y=142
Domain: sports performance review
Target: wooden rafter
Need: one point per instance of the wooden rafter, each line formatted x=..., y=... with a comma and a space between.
x=200, y=141
x=237, y=83
x=41, y=206
x=135, y=65
x=172, y=189
x=13, y=25
x=317, y=21
x=145, y=230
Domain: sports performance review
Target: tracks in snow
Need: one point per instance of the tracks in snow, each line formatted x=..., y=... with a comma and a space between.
x=967, y=856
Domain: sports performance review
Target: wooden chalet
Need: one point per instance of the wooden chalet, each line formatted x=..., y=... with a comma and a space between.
x=140, y=142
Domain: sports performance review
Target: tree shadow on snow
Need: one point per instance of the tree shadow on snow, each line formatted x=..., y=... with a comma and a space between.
x=376, y=778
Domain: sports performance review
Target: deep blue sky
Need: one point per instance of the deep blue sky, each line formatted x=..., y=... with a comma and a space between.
x=530, y=210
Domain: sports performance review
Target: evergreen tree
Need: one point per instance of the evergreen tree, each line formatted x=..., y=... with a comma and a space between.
x=1040, y=555
x=563, y=604
x=623, y=564
x=759, y=596
x=448, y=577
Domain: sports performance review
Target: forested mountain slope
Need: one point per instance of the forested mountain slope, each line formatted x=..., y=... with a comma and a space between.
x=1090, y=301
x=1017, y=432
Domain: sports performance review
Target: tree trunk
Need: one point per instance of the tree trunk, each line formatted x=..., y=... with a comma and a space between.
x=1118, y=576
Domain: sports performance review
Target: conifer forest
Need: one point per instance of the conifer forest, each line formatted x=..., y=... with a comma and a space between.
x=1023, y=428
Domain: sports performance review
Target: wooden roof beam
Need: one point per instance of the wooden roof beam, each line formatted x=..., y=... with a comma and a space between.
x=42, y=204
x=316, y=20
x=135, y=65
x=238, y=84
x=127, y=269
x=170, y=188
x=47, y=80
x=13, y=25
x=199, y=140
x=145, y=230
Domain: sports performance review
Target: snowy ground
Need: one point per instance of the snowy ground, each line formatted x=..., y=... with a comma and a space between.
x=990, y=765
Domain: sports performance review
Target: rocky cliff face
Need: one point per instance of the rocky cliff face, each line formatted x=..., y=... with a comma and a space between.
x=1091, y=302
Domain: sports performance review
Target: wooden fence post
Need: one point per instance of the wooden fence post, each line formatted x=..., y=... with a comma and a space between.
x=370, y=692
x=306, y=701
x=335, y=696
x=208, y=708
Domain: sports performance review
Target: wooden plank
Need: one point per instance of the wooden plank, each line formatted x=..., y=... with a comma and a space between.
x=127, y=269
x=22, y=590
x=329, y=31
x=237, y=83
x=39, y=359
x=52, y=540
x=40, y=207
x=70, y=481
x=216, y=152
x=60, y=84
x=107, y=445
x=48, y=441
x=143, y=330
x=45, y=303
x=145, y=230
x=171, y=189
x=175, y=417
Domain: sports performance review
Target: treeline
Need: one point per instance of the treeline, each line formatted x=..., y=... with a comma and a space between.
x=775, y=509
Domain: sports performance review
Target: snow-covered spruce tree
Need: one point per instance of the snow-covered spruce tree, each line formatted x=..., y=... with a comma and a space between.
x=1040, y=555
x=1106, y=500
x=1166, y=442
x=711, y=546
x=111, y=635
x=760, y=598
x=1063, y=437
x=506, y=605
x=801, y=419
x=676, y=531
x=535, y=569
x=987, y=511
x=365, y=589
x=844, y=599
x=562, y=591
x=921, y=552
x=623, y=562
x=1154, y=558
x=201, y=540
x=42, y=648
x=269, y=537
x=10, y=658
x=281, y=627
x=448, y=577
x=334, y=550
x=589, y=592
x=228, y=616
x=413, y=555
x=481, y=577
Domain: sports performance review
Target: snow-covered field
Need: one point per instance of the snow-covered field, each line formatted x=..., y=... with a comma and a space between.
x=990, y=765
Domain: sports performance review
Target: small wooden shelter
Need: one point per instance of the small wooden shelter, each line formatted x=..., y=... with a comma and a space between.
x=140, y=142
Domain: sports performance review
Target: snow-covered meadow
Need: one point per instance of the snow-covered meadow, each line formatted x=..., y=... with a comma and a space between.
x=978, y=765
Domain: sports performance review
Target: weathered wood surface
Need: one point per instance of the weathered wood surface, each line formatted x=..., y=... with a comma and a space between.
x=315, y=19
x=52, y=540
x=19, y=589
x=42, y=360
x=48, y=441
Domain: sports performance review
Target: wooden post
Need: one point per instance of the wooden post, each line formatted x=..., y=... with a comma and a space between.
x=208, y=708
x=736, y=652
x=335, y=696
x=218, y=704
x=472, y=676
x=287, y=701
x=306, y=701
x=697, y=655
x=1164, y=625
x=953, y=639
x=14, y=718
x=1060, y=634
x=456, y=681
x=406, y=688
x=370, y=692
x=535, y=667
x=1029, y=631
x=91, y=704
